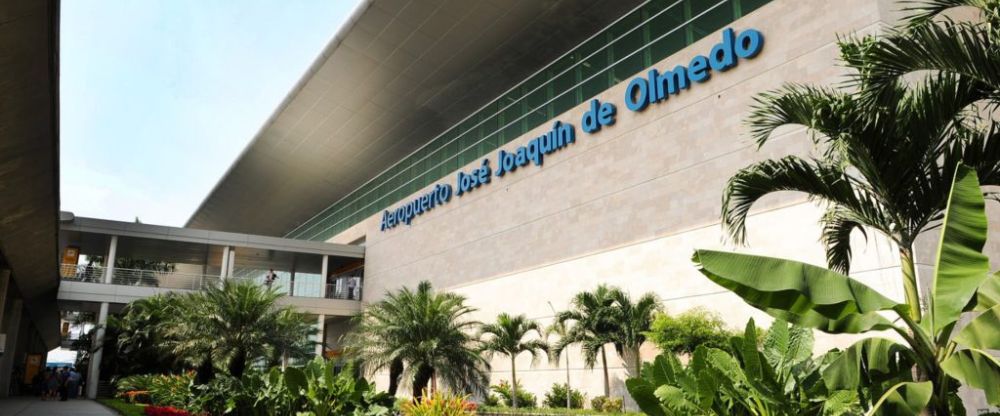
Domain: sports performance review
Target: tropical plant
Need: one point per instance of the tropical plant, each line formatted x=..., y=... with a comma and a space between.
x=832, y=302
x=507, y=336
x=607, y=404
x=507, y=394
x=930, y=41
x=592, y=328
x=421, y=336
x=171, y=389
x=138, y=335
x=439, y=404
x=320, y=390
x=683, y=333
x=560, y=394
x=289, y=343
x=632, y=321
x=777, y=378
x=235, y=323
x=889, y=146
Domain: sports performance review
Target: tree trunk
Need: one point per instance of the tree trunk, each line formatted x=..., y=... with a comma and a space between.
x=238, y=363
x=910, y=281
x=607, y=380
x=420, y=380
x=205, y=371
x=395, y=372
x=513, y=382
x=284, y=360
x=638, y=362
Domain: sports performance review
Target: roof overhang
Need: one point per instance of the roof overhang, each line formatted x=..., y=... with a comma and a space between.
x=29, y=156
x=398, y=73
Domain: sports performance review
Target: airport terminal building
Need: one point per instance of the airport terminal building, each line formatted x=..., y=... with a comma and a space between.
x=516, y=152
x=519, y=152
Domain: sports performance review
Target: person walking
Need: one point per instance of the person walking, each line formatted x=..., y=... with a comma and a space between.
x=73, y=383
x=270, y=278
x=51, y=385
x=63, y=384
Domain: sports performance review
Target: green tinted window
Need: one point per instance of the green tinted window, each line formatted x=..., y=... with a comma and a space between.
x=639, y=39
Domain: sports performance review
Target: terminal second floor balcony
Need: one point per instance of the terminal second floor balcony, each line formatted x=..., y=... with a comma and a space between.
x=117, y=262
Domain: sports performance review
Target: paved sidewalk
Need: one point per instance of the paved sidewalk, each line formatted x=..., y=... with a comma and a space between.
x=33, y=406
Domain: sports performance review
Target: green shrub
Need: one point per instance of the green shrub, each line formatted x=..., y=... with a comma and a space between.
x=607, y=404
x=556, y=397
x=439, y=404
x=683, y=333
x=138, y=382
x=524, y=398
x=172, y=390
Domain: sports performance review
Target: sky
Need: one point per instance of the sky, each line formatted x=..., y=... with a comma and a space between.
x=158, y=98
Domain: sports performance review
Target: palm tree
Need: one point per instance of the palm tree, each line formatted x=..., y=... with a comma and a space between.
x=506, y=336
x=236, y=322
x=420, y=335
x=927, y=42
x=559, y=329
x=288, y=343
x=632, y=322
x=140, y=335
x=886, y=163
x=593, y=327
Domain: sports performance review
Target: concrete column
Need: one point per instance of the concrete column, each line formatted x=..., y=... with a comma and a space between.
x=94, y=369
x=224, y=265
x=324, y=269
x=12, y=329
x=321, y=335
x=109, y=268
x=232, y=263
x=4, y=284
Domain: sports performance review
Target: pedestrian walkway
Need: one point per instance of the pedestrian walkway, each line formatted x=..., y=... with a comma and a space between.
x=33, y=406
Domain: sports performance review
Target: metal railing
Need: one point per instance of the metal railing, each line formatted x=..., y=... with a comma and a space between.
x=305, y=285
x=138, y=277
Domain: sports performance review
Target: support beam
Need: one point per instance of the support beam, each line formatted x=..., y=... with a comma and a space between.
x=324, y=269
x=232, y=263
x=10, y=353
x=109, y=264
x=4, y=285
x=224, y=265
x=321, y=335
x=94, y=369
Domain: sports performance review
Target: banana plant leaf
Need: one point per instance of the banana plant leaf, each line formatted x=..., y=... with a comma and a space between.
x=961, y=266
x=904, y=399
x=983, y=332
x=797, y=292
x=988, y=294
x=878, y=357
x=976, y=368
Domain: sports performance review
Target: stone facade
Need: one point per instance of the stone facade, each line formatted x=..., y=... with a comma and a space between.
x=627, y=206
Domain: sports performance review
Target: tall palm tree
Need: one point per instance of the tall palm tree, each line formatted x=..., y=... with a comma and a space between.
x=886, y=163
x=288, y=343
x=559, y=329
x=236, y=322
x=506, y=336
x=632, y=322
x=593, y=327
x=928, y=42
x=420, y=336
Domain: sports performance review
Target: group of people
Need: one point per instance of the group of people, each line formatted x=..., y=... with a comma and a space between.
x=57, y=383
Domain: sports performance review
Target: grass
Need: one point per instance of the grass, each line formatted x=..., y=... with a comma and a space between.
x=124, y=409
x=547, y=411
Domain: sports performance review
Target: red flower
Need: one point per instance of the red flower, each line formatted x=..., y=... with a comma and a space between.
x=165, y=411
